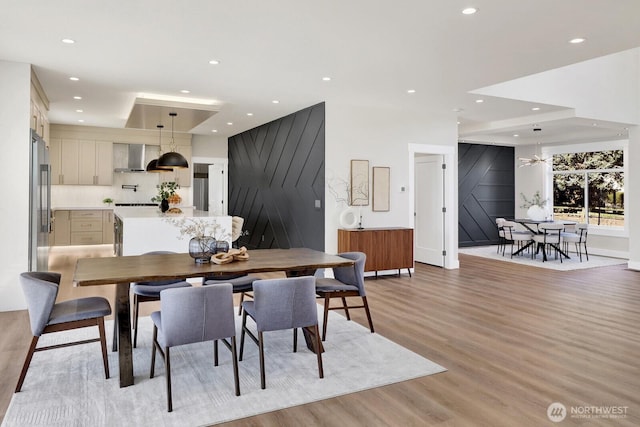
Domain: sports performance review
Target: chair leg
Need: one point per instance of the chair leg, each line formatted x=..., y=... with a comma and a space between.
x=103, y=344
x=346, y=308
x=236, y=375
x=215, y=352
x=326, y=316
x=114, y=345
x=585, y=252
x=242, y=334
x=240, y=305
x=263, y=384
x=27, y=362
x=295, y=340
x=154, y=343
x=136, y=307
x=366, y=309
x=318, y=353
x=167, y=367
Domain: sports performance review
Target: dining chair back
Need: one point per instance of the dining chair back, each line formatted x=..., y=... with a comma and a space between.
x=549, y=238
x=347, y=282
x=501, y=239
x=517, y=238
x=281, y=304
x=45, y=315
x=190, y=315
x=150, y=291
x=577, y=237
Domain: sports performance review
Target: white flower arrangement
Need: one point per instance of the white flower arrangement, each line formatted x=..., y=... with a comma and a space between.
x=199, y=227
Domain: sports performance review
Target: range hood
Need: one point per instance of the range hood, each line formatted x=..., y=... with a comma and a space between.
x=129, y=157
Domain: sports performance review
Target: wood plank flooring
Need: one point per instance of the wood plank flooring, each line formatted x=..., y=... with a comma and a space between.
x=513, y=338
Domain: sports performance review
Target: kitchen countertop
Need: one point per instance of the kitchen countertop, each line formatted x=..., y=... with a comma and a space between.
x=82, y=208
x=146, y=212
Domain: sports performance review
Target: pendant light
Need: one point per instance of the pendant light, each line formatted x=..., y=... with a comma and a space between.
x=172, y=159
x=153, y=164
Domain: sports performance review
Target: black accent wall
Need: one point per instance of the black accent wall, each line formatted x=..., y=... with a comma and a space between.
x=276, y=177
x=485, y=191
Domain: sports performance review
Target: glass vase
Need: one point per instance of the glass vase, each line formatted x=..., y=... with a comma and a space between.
x=201, y=248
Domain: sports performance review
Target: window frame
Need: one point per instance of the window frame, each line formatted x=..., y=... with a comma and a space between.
x=623, y=145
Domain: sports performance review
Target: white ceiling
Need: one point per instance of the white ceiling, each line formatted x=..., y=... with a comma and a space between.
x=373, y=51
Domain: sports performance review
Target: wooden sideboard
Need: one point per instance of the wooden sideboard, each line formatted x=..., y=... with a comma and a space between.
x=386, y=248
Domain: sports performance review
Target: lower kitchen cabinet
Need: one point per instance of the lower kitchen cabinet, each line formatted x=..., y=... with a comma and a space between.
x=82, y=227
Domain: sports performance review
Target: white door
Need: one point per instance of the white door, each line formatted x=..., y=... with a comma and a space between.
x=218, y=189
x=429, y=202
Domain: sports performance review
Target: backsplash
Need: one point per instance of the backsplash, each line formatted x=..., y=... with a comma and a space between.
x=92, y=195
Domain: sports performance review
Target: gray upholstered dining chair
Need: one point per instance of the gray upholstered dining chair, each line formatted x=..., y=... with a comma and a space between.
x=578, y=237
x=501, y=239
x=516, y=237
x=40, y=290
x=191, y=315
x=150, y=291
x=281, y=304
x=549, y=237
x=347, y=282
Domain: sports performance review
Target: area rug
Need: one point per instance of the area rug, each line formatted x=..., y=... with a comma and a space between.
x=567, y=264
x=66, y=387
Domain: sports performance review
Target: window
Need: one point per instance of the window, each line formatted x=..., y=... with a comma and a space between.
x=589, y=187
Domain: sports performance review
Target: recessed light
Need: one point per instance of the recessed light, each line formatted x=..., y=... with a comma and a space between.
x=81, y=121
x=577, y=40
x=78, y=111
x=68, y=41
x=75, y=79
x=229, y=123
x=595, y=124
x=516, y=135
x=326, y=79
x=535, y=108
x=77, y=97
x=479, y=101
x=249, y=114
x=214, y=62
x=411, y=91
x=214, y=130
x=469, y=11
x=275, y=101
x=185, y=91
x=458, y=122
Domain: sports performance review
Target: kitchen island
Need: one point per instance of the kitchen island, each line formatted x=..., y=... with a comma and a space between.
x=145, y=229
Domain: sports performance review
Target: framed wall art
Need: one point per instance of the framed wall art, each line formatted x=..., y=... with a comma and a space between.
x=359, y=183
x=381, y=176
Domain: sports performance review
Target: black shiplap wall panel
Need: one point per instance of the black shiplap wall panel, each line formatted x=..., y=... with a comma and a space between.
x=485, y=191
x=276, y=173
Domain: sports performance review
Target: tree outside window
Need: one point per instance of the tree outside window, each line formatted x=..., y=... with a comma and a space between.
x=589, y=187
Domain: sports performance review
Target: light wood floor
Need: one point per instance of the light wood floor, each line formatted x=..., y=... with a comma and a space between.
x=513, y=338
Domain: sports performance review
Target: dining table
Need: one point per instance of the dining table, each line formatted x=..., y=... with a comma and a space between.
x=533, y=226
x=123, y=270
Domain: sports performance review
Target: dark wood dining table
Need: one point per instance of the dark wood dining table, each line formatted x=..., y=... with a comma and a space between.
x=532, y=226
x=123, y=270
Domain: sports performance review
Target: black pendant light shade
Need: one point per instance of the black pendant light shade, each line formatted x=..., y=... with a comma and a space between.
x=172, y=159
x=152, y=166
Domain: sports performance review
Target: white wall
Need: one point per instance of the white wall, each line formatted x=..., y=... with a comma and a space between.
x=381, y=136
x=209, y=146
x=15, y=86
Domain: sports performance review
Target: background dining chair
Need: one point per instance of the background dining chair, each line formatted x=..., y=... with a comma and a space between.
x=150, y=291
x=517, y=238
x=549, y=237
x=40, y=290
x=280, y=304
x=191, y=315
x=242, y=283
x=347, y=282
x=501, y=240
x=578, y=237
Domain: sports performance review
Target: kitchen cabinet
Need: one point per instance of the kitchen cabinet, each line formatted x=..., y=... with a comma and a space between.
x=386, y=248
x=61, y=228
x=82, y=227
x=81, y=162
x=107, y=227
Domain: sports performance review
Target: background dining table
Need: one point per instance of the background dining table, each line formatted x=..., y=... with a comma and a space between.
x=533, y=226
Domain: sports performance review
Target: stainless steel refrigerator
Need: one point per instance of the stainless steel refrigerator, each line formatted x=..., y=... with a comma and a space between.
x=39, y=205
